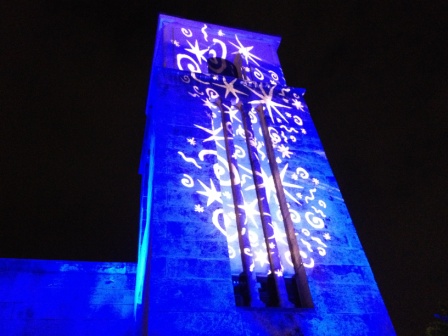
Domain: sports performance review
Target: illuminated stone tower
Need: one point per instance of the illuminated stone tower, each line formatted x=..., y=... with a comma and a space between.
x=243, y=228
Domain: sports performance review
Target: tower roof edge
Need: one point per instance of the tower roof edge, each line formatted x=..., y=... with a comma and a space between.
x=273, y=39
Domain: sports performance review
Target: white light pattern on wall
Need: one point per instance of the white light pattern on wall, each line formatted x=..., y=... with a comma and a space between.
x=286, y=128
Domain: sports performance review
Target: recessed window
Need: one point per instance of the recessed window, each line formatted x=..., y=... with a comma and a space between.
x=266, y=265
x=223, y=67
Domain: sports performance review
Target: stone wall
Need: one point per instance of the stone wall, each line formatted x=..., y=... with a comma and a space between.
x=49, y=297
x=189, y=286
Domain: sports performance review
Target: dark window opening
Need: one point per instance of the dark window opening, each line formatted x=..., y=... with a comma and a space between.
x=223, y=67
x=266, y=290
x=252, y=288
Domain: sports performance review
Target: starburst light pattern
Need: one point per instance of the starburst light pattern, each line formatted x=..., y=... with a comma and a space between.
x=298, y=104
x=266, y=100
x=282, y=106
x=198, y=208
x=245, y=52
x=285, y=151
x=197, y=52
x=211, y=193
x=230, y=88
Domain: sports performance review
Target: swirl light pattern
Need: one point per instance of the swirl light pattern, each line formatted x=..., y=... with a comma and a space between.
x=193, y=46
x=237, y=193
x=285, y=116
x=305, y=200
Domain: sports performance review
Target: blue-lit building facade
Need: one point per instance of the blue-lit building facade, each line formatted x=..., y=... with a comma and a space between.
x=243, y=229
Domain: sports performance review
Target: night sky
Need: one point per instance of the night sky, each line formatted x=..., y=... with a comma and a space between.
x=73, y=83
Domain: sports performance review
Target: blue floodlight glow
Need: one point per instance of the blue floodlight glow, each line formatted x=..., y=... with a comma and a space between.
x=224, y=202
x=243, y=230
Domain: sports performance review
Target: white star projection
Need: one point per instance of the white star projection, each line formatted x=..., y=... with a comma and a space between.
x=268, y=184
x=266, y=100
x=198, y=208
x=214, y=135
x=261, y=257
x=229, y=88
x=285, y=151
x=211, y=193
x=287, y=128
x=233, y=112
x=298, y=104
x=250, y=210
x=245, y=52
x=197, y=52
x=201, y=44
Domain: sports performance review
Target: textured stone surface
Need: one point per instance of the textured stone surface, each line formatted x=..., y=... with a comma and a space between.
x=47, y=297
x=189, y=289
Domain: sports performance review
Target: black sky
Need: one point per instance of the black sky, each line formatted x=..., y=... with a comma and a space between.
x=73, y=84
